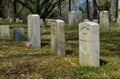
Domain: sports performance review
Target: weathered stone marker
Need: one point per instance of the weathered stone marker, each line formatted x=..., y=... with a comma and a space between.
x=49, y=21
x=95, y=20
x=118, y=20
x=41, y=22
x=58, y=37
x=5, y=32
x=17, y=20
x=104, y=20
x=89, y=44
x=18, y=34
x=86, y=20
x=34, y=30
x=72, y=18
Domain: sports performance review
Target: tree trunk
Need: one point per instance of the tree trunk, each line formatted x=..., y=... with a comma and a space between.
x=87, y=9
x=69, y=5
x=95, y=10
x=59, y=8
x=14, y=10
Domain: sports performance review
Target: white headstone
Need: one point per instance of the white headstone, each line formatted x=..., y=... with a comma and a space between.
x=21, y=21
x=41, y=22
x=89, y=44
x=95, y=20
x=104, y=20
x=17, y=20
x=49, y=21
x=58, y=37
x=86, y=20
x=1, y=19
x=11, y=20
x=5, y=33
x=118, y=20
x=34, y=30
x=72, y=18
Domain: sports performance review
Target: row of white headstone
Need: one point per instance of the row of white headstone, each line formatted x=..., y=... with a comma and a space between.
x=18, y=33
x=104, y=20
x=88, y=39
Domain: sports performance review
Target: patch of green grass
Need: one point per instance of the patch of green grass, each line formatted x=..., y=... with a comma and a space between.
x=19, y=61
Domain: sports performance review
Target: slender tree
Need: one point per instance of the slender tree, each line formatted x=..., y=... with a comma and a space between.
x=95, y=10
x=69, y=5
x=59, y=8
x=87, y=9
x=45, y=8
x=14, y=9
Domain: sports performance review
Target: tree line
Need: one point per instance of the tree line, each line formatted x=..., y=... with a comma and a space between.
x=53, y=8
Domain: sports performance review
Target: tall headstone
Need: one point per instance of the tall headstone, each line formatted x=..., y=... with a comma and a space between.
x=118, y=20
x=34, y=30
x=89, y=44
x=104, y=20
x=58, y=37
x=72, y=18
x=18, y=34
x=5, y=32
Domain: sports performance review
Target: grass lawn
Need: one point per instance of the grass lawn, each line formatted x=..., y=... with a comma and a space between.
x=20, y=62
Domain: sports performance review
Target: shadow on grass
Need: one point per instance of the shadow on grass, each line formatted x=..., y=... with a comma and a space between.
x=6, y=40
x=20, y=55
x=44, y=44
x=103, y=62
x=68, y=52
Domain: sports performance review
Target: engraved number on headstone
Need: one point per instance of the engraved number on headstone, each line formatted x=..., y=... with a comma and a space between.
x=84, y=40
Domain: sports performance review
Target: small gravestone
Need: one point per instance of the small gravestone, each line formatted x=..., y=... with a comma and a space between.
x=95, y=20
x=1, y=19
x=17, y=20
x=18, y=34
x=49, y=21
x=86, y=20
x=5, y=32
x=11, y=20
x=41, y=22
x=21, y=21
x=72, y=18
x=104, y=20
x=58, y=37
x=34, y=30
x=89, y=44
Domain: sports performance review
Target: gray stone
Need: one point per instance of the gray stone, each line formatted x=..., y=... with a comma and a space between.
x=34, y=30
x=118, y=20
x=41, y=22
x=72, y=18
x=104, y=20
x=18, y=34
x=1, y=19
x=95, y=20
x=49, y=21
x=5, y=32
x=21, y=21
x=58, y=37
x=17, y=20
x=11, y=20
x=89, y=44
x=86, y=20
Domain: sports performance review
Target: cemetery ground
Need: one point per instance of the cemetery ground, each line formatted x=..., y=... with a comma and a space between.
x=20, y=62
